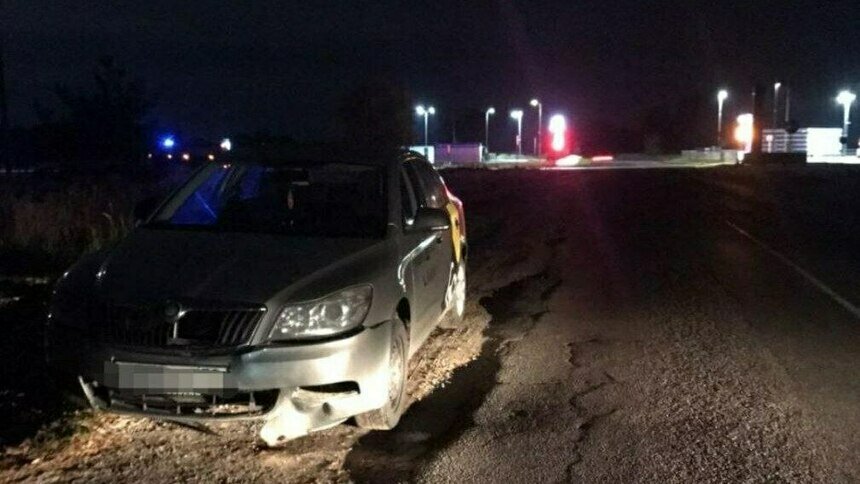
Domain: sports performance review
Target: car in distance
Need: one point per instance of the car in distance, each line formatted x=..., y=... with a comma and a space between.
x=290, y=291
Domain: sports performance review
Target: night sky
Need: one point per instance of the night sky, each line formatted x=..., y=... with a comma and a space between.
x=218, y=67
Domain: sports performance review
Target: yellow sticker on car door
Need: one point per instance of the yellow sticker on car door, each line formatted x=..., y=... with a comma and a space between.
x=454, y=215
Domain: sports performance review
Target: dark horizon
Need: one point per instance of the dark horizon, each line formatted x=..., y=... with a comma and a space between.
x=217, y=70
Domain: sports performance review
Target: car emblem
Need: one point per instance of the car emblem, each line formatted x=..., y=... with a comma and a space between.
x=171, y=311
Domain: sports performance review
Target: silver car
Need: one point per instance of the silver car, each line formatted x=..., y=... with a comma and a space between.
x=290, y=291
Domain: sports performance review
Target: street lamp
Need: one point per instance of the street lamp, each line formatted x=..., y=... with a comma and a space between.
x=776, y=87
x=535, y=103
x=518, y=115
x=425, y=112
x=487, y=114
x=721, y=98
x=846, y=99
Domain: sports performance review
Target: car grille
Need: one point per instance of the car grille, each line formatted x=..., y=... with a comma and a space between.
x=198, y=327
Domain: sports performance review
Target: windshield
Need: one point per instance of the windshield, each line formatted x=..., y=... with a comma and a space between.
x=328, y=199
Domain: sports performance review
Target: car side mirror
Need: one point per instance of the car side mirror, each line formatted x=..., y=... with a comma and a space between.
x=431, y=220
x=144, y=209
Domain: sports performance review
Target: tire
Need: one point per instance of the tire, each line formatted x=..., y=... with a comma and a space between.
x=455, y=297
x=387, y=417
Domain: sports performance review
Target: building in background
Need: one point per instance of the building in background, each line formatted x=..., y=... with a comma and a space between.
x=444, y=154
x=459, y=154
x=820, y=144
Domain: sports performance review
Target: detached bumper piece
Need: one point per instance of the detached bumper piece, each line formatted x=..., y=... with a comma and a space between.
x=288, y=413
x=309, y=409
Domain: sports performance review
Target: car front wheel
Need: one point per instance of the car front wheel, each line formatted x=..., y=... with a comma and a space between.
x=387, y=417
x=455, y=296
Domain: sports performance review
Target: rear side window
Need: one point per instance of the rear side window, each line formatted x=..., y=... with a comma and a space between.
x=435, y=194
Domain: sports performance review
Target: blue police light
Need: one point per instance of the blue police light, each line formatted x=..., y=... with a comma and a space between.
x=168, y=142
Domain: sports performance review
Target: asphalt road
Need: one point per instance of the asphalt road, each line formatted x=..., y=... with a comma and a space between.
x=702, y=326
x=684, y=325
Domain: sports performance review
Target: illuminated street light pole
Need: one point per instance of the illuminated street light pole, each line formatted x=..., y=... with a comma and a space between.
x=487, y=127
x=776, y=87
x=721, y=98
x=539, y=106
x=4, y=113
x=425, y=112
x=518, y=115
x=846, y=99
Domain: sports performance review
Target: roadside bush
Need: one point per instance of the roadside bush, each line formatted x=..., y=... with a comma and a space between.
x=52, y=226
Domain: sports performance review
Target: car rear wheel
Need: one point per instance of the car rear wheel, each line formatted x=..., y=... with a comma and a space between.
x=455, y=297
x=387, y=417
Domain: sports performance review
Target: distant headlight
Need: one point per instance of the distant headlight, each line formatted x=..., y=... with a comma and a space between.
x=330, y=315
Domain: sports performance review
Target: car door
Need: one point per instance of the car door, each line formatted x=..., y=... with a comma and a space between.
x=440, y=253
x=416, y=258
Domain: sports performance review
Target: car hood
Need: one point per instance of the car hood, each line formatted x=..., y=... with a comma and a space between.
x=154, y=265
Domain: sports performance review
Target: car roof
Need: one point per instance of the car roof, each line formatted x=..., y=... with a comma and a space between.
x=319, y=153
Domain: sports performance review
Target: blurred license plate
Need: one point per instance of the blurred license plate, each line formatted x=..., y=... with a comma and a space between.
x=149, y=378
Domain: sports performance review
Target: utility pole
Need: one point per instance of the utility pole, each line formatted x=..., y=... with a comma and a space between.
x=758, y=117
x=4, y=111
x=722, y=95
x=517, y=114
x=789, y=129
x=537, y=104
x=487, y=113
x=776, y=87
x=846, y=99
x=421, y=111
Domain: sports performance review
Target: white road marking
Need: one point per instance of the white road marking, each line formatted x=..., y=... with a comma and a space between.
x=800, y=270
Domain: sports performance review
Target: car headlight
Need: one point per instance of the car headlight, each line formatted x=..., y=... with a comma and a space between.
x=327, y=316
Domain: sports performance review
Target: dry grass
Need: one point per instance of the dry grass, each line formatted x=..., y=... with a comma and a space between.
x=60, y=223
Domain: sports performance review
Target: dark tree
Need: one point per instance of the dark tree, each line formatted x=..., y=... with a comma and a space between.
x=600, y=136
x=99, y=125
x=376, y=114
x=681, y=123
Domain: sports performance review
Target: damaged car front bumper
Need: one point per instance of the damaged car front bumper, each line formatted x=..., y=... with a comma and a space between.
x=294, y=388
